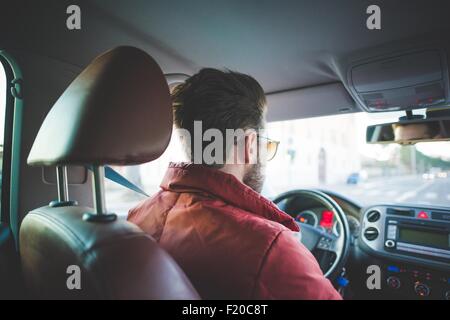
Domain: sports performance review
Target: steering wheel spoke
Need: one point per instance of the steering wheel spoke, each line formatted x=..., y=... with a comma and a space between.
x=328, y=243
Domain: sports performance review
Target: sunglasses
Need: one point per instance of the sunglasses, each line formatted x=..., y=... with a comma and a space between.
x=271, y=147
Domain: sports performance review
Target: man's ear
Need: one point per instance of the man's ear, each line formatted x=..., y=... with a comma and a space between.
x=251, y=148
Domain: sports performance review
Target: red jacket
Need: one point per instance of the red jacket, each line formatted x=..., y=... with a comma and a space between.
x=231, y=242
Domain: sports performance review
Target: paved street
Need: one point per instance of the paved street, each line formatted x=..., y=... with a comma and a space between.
x=409, y=189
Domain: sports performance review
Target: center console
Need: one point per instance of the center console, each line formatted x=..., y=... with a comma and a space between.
x=414, y=242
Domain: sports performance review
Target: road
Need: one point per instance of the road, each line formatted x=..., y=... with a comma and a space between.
x=407, y=189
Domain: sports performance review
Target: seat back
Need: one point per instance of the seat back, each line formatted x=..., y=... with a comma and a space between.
x=10, y=280
x=117, y=111
x=65, y=257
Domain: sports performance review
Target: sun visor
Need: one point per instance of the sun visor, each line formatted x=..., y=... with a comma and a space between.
x=332, y=98
x=406, y=81
x=117, y=111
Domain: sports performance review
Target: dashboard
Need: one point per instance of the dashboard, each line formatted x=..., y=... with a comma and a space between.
x=319, y=218
x=314, y=214
x=409, y=244
x=414, y=245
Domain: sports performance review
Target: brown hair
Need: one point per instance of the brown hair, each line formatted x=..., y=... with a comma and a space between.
x=221, y=100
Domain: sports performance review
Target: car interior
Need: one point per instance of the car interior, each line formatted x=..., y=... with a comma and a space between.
x=83, y=106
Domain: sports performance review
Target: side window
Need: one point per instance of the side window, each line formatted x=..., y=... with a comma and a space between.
x=2, y=115
x=147, y=177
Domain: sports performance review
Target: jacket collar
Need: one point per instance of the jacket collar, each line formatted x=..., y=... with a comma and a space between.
x=188, y=177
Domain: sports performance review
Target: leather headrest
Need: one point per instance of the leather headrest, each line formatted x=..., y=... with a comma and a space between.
x=117, y=111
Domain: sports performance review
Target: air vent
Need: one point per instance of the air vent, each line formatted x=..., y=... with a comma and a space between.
x=373, y=216
x=371, y=233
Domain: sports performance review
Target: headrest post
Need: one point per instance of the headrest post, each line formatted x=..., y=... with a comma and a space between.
x=63, y=185
x=98, y=189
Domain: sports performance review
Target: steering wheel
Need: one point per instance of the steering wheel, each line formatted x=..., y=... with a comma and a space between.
x=330, y=249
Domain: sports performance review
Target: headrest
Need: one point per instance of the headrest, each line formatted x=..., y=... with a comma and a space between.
x=117, y=111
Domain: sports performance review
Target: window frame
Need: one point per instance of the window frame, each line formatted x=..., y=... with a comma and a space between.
x=10, y=163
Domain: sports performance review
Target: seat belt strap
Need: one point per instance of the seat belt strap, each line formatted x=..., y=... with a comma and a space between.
x=116, y=177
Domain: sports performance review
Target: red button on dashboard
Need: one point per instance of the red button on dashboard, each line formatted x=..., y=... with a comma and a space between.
x=422, y=215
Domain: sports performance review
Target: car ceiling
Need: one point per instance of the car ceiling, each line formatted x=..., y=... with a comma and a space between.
x=295, y=49
x=284, y=44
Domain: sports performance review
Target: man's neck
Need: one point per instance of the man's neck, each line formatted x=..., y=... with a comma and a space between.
x=235, y=170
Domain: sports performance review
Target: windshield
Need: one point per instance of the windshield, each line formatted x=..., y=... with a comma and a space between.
x=330, y=153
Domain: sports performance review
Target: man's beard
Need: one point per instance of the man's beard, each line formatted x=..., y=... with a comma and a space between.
x=254, y=177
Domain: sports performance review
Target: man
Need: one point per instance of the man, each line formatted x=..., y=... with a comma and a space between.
x=231, y=242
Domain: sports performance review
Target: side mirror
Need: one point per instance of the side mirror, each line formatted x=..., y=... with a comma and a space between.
x=409, y=131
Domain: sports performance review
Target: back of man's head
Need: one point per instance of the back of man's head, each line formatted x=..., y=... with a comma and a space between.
x=218, y=100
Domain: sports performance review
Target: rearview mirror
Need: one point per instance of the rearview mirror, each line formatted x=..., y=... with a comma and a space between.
x=410, y=131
